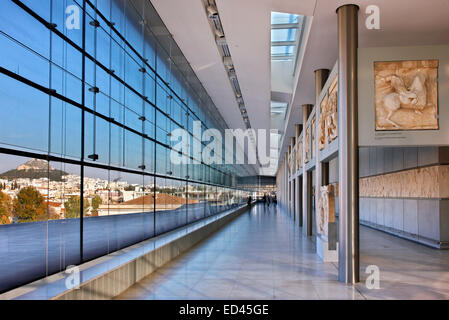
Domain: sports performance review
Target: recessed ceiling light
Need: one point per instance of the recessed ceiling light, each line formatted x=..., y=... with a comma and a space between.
x=227, y=61
x=212, y=12
x=232, y=75
x=219, y=33
x=221, y=41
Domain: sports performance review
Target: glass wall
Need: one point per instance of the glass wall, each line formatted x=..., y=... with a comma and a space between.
x=89, y=99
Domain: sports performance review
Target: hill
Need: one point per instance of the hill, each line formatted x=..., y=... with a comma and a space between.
x=34, y=169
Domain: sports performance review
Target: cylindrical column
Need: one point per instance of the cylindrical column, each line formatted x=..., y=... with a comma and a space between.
x=306, y=185
x=289, y=190
x=348, y=262
x=321, y=76
x=293, y=160
x=284, y=191
x=286, y=180
x=298, y=190
x=325, y=173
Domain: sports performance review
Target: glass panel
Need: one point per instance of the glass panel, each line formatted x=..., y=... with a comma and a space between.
x=281, y=18
x=170, y=207
x=283, y=34
x=128, y=107
x=32, y=199
x=196, y=205
x=282, y=50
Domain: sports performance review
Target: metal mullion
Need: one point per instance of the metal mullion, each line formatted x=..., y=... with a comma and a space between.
x=282, y=43
x=82, y=107
x=83, y=103
x=74, y=103
x=155, y=133
x=277, y=26
x=136, y=53
x=51, y=158
x=87, y=55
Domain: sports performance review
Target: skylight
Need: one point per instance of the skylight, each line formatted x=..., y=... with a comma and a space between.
x=285, y=32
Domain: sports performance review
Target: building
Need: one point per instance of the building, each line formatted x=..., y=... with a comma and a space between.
x=130, y=122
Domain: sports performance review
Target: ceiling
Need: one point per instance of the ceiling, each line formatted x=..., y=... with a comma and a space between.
x=247, y=24
x=402, y=23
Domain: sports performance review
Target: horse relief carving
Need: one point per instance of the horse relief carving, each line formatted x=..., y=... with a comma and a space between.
x=406, y=95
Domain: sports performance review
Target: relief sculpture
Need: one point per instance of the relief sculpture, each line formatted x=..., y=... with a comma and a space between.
x=290, y=165
x=328, y=122
x=406, y=95
x=322, y=125
x=299, y=155
x=313, y=125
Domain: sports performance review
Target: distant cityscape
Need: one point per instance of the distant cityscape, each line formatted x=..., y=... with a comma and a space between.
x=37, y=186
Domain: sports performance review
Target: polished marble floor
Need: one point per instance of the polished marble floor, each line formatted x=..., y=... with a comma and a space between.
x=263, y=255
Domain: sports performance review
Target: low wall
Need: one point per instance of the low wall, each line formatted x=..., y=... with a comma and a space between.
x=405, y=192
x=117, y=280
x=421, y=220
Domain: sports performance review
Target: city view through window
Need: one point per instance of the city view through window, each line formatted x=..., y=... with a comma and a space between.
x=87, y=111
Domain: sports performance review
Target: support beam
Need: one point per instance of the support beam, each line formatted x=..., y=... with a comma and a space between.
x=306, y=184
x=348, y=262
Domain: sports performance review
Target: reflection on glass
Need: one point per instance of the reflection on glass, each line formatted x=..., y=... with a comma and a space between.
x=111, y=167
x=37, y=238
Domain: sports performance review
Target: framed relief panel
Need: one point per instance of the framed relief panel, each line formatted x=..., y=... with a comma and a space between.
x=299, y=154
x=406, y=95
x=322, y=137
x=403, y=96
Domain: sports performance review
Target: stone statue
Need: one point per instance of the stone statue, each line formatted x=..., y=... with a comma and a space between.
x=307, y=142
x=326, y=209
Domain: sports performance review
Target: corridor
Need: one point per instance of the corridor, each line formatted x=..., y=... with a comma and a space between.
x=263, y=255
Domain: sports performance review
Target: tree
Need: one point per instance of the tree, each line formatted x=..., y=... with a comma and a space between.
x=72, y=207
x=95, y=203
x=130, y=188
x=29, y=205
x=5, y=208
